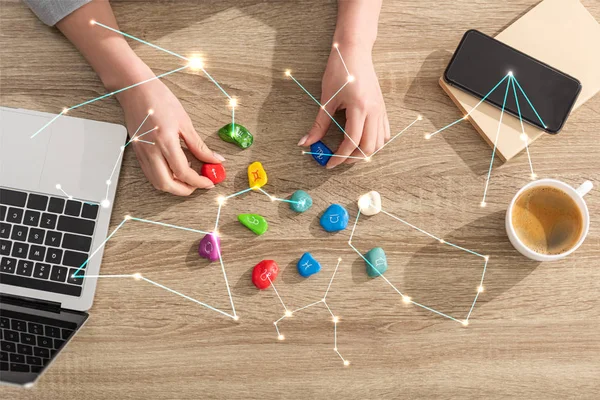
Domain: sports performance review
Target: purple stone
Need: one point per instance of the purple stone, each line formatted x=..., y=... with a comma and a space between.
x=210, y=247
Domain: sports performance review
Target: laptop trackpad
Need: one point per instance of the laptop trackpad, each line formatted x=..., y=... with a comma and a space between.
x=78, y=154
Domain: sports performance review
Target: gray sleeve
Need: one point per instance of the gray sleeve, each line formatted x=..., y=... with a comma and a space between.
x=52, y=11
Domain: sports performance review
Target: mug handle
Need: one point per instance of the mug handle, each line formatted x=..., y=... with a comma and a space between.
x=584, y=188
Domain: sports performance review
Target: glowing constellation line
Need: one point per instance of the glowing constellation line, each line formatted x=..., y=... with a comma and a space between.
x=408, y=300
x=139, y=276
x=65, y=110
x=289, y=314
x=59, y=187
x=512, y=80
x=487, y=181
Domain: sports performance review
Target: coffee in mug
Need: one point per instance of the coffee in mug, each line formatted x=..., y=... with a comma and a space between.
x=547, y=220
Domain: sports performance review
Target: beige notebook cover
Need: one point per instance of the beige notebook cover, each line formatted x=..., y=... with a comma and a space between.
x=561, y=33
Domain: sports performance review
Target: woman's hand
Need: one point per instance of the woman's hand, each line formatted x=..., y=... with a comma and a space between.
x=367, y=124
x=165, y=163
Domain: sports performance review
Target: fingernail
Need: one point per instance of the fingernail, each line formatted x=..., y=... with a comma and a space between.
x=329, y=166
x=218, y=156
x=303, y=140
x=210, y=187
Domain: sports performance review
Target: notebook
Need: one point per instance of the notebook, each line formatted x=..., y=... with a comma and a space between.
x=561, y=33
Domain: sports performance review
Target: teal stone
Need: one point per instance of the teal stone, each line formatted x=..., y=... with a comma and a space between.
x=376, y=262
x=301, y=201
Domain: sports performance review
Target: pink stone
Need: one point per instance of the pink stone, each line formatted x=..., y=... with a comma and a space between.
x=210, y=247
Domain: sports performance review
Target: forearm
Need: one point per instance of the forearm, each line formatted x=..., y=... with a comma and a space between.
x=357, y=22
x=107, y=52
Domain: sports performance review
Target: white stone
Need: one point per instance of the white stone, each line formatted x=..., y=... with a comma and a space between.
x=370, y=203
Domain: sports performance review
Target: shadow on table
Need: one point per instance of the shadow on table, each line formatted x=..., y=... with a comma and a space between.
x=451, y=287
x=426, y=96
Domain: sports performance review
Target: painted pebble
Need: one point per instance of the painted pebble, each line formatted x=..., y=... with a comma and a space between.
x=377, y=262
x=257, y=176
x=238, y=134
x=262, y=272
x=214, y=172
x=307, y=265
x=301, y=201
x=335, y=218
x=209, y=247
x=254, y=222
x=370, y=203
x=321, y=152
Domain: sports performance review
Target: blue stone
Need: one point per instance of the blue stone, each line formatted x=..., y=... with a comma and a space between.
x=321, y=152
x=335, y=218
x=376, y=262
x=301, y=201
x=307, y=265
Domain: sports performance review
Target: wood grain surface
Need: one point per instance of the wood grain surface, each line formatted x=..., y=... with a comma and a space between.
x=535, y=331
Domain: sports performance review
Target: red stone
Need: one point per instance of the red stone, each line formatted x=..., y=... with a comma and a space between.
x=260, y=272
x=214, y=172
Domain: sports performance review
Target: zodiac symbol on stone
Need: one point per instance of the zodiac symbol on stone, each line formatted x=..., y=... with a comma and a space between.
x=334, y=218
x=253, y=220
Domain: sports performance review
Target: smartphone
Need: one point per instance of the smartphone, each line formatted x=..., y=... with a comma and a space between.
x=544, y=95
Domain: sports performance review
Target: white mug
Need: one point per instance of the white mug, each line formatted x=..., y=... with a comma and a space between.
x=576, y=195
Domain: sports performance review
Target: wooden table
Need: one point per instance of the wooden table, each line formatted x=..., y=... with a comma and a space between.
x=535, y=331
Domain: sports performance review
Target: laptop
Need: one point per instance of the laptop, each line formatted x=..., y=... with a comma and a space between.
x=55, y=207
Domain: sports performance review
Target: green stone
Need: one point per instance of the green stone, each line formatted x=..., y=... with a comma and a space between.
x=254, y=222
x=238, y=134
x=300, y=201
x=376, y=262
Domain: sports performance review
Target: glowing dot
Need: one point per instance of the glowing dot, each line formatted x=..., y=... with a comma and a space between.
x=339, y=258
x=364, y=201
x=236, y=317
x=58, y=186
x=156, y=127
x=336, y=320
x=351, y=78
x=150, y=111
x=346, y=363
x=483, y=204
x=465, y=322
x=533, y=176
x=335, y=349
x=128, y=217
x=480, y=289
x=92, y=22
x=419, y=118
x=427, y=136
x=135, y=139
x=122, y=148
x=442, y=241
x=221, y=200
x=105, y=203
x=510, y=73
x=466, y=116
x=486, y=258
x=288, y=313
x=335, y=45
x=368, y=159
x=65, y=110
x=406, y=299
x=196, y=63
x=281, y=337
x=108, y=182
x=137, y=276
x=232, y=102
x=70, y=197
x=524, y=137
x=288, y=72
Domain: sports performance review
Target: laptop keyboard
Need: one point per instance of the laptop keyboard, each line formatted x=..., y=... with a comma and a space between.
x=28, y=342
x=44, y=240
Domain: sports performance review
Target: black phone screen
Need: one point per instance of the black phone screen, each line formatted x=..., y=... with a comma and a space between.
x=545, y=95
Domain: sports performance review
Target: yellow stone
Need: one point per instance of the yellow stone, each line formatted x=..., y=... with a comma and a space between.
x=257, y=176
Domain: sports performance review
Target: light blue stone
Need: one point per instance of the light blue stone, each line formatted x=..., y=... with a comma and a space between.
x=377, y=262
x=321, y=152
x=301, y=201
x=335, y=218
x=307, y=265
